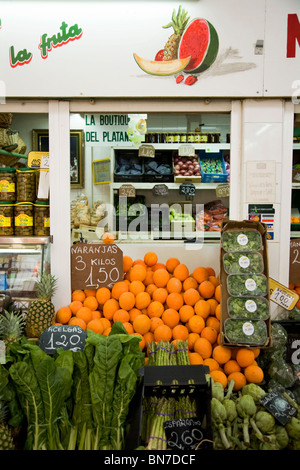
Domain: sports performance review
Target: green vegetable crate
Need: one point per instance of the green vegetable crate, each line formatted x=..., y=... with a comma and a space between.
x=244, y=276
x=175, y=382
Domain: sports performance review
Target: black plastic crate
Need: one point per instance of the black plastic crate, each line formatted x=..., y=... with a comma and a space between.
x=159, y=168
x=172, y=381
x=128, y=166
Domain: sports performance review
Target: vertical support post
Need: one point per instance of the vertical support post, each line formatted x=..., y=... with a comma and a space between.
x=59, y=175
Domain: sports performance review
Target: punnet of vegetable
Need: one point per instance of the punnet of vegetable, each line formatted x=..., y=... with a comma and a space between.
x=243, y=262
x=246, y=332
x=255, y=285
x=248, y=308
x=246, y=240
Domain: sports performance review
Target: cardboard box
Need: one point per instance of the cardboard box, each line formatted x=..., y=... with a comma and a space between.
x=262, y=229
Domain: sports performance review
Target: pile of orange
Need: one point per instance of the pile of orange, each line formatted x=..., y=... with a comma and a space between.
x=165, y=302
x=295, y=287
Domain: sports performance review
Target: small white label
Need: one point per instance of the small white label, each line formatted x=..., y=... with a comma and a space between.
x=244, y=262
x=250, y=306
x=250, y=284
x=242, y=239
x=248, y=328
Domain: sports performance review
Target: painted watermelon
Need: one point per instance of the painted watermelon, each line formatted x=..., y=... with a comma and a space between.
x=200, y=41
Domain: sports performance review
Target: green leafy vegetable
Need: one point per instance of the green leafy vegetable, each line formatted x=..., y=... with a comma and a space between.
x=243, y=262
x=237, y=240
x=246, y=332
x=248, y=308
x=247, y=285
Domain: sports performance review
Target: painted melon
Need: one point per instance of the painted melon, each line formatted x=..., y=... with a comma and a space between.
x=200, y=41
x=159, y=67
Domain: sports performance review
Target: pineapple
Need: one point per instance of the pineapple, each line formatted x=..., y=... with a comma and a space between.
x=41, y=312
x=11, y=326
x=178, y=23
x=6, y=439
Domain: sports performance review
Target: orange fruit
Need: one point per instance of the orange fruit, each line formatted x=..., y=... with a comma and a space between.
x=200, y=274
x=171, y=264
x=181, y=272
x=78, y=322
x=75, y=305
x=254, y=374
x=91, y=302
x=134, y=312
x=213, y=303
x=127, y=263
x=127, y=300
x=150, y=258
x=139, y=261
x=95, y=325
x=151, y=288
x=231, y=366
x=136, y=286
x=211, y=271
x=107, y=331
x=191, y=296
x=159, y=266
x=219, y=376
x=191, y=340
x=256, y=352
x=214, y=280
x=160, y=294
x=174, y=300
x=221, y=354
x=108, y=238
x=141, y=324
x=213, y=322
x=210, y=334
x=154, y=323
x=180, y=332
x=142, y=300
x=162, y=333
x=142, y=342
x=211, y=363
x=63, y=315
x=149, y=278
x=218, y=312
x=186, y=312
x=218, y=293
x=190, y=282
x=89, y=292
x=155, y=309
x=206, y=289
x=148, y=337
x=170, y=317
x=78, y=295
x=245, y=357
x=203, y=347
x=161, y=277
x=138, y=272
x=103, y=294
x=196, y=324
x=195, y=358
x=128, y=327
x=174, y=285
x=202, y=308
x=239, y=380
x=105, y=322
x=85, y=313
x=96, y=314
x=121, y=315
x=110, y=307
x=118, y=289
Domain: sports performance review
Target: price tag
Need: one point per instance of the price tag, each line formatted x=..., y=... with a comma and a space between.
x=188, y=189
x=70, y=337
x=160, y=190
x=35, y=158
x=281, y=295
x=146, y=151
x=183, y=434
x=186, y=151
x=294, y=274
x=127, y=190
x=278, y=407
x=223, y=190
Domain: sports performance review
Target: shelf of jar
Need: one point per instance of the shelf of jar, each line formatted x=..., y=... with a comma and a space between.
x=171, y=186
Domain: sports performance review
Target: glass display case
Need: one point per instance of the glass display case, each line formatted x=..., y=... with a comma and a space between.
x=21, y=261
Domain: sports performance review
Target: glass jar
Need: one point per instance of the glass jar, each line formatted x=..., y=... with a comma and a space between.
x=41, y=218
x=7, y=184
x=26, y=185
x=191, y=137
x=6, y=218
x=23, y=215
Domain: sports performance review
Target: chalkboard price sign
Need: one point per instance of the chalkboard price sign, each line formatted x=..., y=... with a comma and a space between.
x=278, y=407
x=183, y=434
x=70, y=337
x=188, y=189
x=95, y=265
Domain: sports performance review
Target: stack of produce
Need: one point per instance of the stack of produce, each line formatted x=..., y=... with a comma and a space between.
x=71, y=400
x=164, y=302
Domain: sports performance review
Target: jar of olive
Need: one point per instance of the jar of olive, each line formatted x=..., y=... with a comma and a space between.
x=6, y=218
x=26, y=185
x=41, y=218
x=7, y=184
x=23, y=215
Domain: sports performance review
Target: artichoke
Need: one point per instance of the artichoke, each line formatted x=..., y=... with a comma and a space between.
x=255, y=391
x=282, y=436
x=219, y=415
x=293, y=428
x=265, y=421
x=246, y=409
